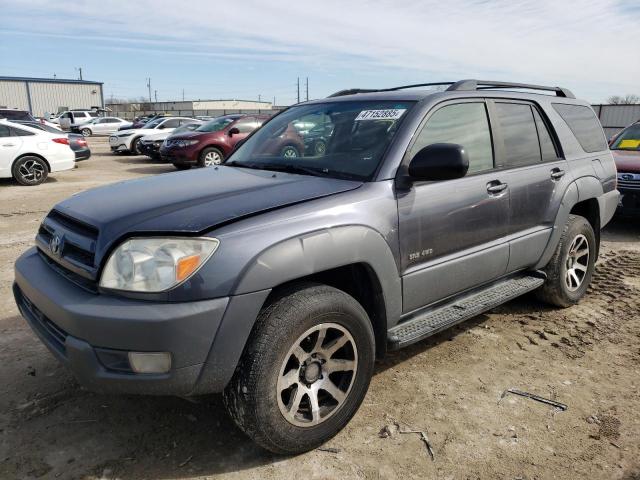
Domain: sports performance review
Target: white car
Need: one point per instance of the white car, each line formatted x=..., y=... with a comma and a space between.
x=75, y=117
x=29, y=154
x=127, y=140
x=99, y=126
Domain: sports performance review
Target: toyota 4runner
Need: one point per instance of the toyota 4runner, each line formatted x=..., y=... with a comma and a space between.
x=279, y=280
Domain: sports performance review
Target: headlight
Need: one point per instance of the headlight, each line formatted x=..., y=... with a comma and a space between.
x=155, y=264
x=184, y=143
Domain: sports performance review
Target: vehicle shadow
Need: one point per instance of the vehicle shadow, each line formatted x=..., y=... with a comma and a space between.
x=622, y=230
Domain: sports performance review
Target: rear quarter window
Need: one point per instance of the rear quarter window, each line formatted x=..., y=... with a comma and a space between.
x=585, y=126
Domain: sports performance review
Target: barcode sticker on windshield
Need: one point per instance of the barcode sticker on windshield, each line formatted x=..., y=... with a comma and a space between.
x=388, y=114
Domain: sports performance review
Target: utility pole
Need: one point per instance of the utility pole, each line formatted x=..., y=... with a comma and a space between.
x=79, y=72
x=155, y=92
x=149, y=87
x=183, y=94
x=307, y=89
x=274, y=101
x=259, y=97
x=298, y=90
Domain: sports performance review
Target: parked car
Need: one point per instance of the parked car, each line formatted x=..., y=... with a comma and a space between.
x=211, y=143
x=75, y=117
x=149, y=145
x=13, y=114
x=29, y=154
x=139, y=122
x=278, y=280
x=127, y=140
x=626, y=153
x=77, y=142
x=99, y=126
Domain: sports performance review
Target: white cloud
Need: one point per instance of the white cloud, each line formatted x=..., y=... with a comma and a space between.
x=589, y=46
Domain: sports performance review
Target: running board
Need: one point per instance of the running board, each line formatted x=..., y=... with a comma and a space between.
x=437, y=319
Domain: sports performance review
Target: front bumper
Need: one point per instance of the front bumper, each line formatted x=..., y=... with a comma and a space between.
x=629, y=204
x=180, y=156
x=149, y=149
x=118, y=144
x=79, y=327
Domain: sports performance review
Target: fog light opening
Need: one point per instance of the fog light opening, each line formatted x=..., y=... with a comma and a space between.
x=145, y=362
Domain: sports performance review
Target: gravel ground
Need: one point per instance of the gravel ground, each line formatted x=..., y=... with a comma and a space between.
x=450, y=386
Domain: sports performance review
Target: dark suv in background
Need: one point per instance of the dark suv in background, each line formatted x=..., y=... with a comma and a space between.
x=279, y=280
x=211, y=143
x=626, y=152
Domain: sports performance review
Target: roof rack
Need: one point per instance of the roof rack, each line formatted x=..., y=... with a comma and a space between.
x=464, y=86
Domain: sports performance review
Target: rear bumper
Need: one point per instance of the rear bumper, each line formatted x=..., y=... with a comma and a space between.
x=83, y=154
x=80, y=328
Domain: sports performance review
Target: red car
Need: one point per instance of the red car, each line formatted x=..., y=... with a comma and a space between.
x=626, y=152
x=212, y=143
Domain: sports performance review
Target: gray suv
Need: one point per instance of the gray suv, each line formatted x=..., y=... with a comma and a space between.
x=279, y=280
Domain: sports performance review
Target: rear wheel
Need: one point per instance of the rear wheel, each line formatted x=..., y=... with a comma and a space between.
x=570, y=269
x=210, y=156
x=30, y=170
x=305, y=370
x=86, y=132
x=181, y=167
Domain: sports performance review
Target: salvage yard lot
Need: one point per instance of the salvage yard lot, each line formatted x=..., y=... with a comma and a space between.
x=587, y=357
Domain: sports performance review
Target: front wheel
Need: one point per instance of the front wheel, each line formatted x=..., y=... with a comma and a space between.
x=289, y=152
x=86, y=132
x=305, y=370
x=135, y=148
x=210, y=157
x=570, y=269
x=181, y=166
x=30, y=171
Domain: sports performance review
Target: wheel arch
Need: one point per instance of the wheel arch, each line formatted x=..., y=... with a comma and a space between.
x=22, y=155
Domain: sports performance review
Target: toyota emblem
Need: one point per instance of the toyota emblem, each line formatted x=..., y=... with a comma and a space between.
x=55, y=245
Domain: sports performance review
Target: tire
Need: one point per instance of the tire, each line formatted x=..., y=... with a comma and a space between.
x=319, y=148
x=562, y=288
x=257, y=397
x=86, y=132
x=182, y=167
x=134, y=146
x=30, y=170
x=210, y=156
x=289, y=151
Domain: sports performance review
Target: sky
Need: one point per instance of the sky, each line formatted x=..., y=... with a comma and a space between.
x=250, y=49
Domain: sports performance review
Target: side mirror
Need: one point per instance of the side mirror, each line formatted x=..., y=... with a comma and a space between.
x=233, y=131
x=439, y=161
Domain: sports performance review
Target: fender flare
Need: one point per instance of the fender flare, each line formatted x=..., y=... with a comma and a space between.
x=286, y=261
x=581, y=189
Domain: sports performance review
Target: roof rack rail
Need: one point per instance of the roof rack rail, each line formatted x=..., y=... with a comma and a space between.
x=463, y=85
x=472, y=85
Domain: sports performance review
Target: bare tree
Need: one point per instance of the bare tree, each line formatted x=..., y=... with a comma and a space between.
x=629, y=99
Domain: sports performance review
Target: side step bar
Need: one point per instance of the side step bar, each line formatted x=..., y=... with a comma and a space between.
x=436, y=319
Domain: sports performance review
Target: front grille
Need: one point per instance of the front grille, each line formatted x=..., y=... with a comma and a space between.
x=69, y=245
x=56, y=335
x=629, y=181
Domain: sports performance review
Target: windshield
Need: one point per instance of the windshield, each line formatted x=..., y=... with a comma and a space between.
x=215, y=125
x=154, y=123
x=337, y=139
x=629, y=139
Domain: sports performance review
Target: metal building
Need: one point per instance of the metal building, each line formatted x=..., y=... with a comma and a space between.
x=49, y=95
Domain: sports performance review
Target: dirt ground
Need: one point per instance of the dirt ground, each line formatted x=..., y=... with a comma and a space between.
x=587, y=357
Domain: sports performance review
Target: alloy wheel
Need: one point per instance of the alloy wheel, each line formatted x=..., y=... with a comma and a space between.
x=32, y=171
x=212, y=158
x=577, y=263
x=317, y=375
x=289, y=152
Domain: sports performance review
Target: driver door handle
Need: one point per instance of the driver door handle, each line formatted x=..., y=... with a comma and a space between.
x=8, y=144
x=496, y=187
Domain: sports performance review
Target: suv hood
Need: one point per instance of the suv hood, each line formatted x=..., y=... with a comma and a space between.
x=191, y=202
x=627, y=160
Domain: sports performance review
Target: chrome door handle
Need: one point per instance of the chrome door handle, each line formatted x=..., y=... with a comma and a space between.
x=8, y=144
x=494, y=188
x=557, y=174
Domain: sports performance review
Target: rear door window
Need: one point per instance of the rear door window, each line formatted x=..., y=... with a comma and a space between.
x=519, y=134
x=4, y=131
x=464, y=124
x=585, y=126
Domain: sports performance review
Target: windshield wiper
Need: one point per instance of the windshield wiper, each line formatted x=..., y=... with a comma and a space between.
x=278, y=167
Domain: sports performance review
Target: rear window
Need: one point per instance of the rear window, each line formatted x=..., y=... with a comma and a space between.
x=584, y=125
x=16, y=115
